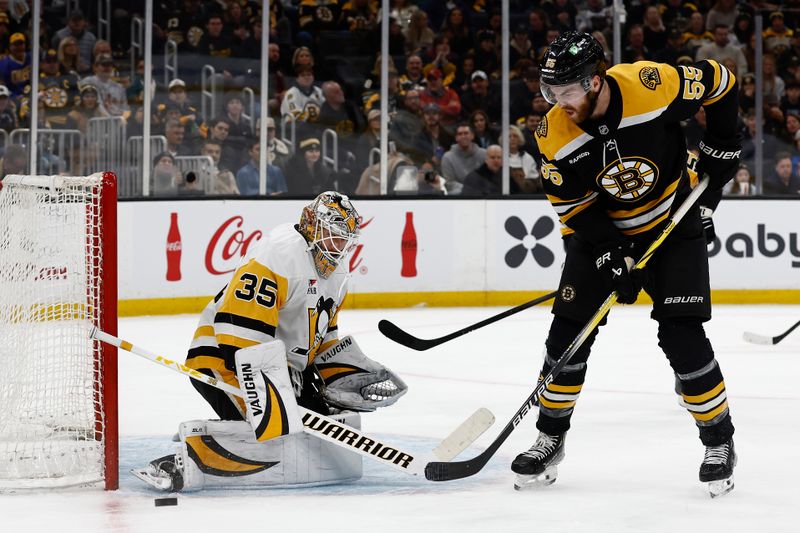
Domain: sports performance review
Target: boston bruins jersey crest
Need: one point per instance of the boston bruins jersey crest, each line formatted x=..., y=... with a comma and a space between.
x=277, y=279
x=622, y=173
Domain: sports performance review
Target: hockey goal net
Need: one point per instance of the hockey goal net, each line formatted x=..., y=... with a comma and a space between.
x=58, y=387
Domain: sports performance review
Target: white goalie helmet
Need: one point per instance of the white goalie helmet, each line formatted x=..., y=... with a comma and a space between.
x=330, y=225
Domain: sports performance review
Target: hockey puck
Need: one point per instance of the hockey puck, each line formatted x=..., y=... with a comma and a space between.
x=163, y=502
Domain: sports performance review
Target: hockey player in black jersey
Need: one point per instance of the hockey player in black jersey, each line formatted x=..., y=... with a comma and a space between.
x=614, y=167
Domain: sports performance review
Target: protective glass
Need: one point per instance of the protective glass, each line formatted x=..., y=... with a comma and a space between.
x=571, y=94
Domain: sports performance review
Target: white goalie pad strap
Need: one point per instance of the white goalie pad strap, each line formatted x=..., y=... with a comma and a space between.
x=224, y=454
x=354, y=381
x=269, y=397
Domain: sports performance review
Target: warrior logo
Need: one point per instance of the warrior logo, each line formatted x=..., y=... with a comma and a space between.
x=628, y=179
x=541, y=129
x=650, y=78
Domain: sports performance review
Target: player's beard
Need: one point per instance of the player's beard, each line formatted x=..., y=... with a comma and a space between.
x=586, y=108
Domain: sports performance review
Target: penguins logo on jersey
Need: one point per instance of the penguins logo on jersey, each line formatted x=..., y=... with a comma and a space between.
x=650, y=78
x=318, y=320
x=628, y=179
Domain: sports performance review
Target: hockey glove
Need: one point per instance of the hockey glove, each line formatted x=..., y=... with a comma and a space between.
x=708, y=223
x=719, y=158
x=615, y=261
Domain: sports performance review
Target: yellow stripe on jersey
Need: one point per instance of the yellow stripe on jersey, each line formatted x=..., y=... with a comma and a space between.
x=233, y=340
x=647, y=87
x=204, y=331
x=628, y=213
x=557, y=131
x=723, y=82
x=652, y=224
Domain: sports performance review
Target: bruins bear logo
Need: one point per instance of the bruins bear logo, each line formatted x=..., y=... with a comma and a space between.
x=628, y=179
x=541, y=129
x=650, y=77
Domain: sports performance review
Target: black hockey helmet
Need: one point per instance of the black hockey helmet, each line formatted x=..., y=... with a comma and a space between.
x=573, y=57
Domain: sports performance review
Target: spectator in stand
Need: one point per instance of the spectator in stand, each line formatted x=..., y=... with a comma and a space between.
x=89, y=106
x=414, y=78
x=69, y=58
x=237, y=26
x=655, y=33
x=522, y=167
x=523, y=95
x=485, y=135
x=15, y=161
x=418, y=35
x=5, y=32
x=791, y=129
x=636, y=50
x=135, y=91
x=447, y=99
x=135, y=125
x=462, y=79
x=672, y=50
x=463, y=157
x=456, y=29
x=216, y=46
x=696, y=34
x=747, y=93
x=368, y=140
x=769, y=142
x=596, y=17
x=359, y=16
x=442, y=60
x=59, y=91
x=743, y=184
x=777, y=37
x=538, y=24
x=8, y=111
x=223, y=180
x=76, y=28
x=230, y=158
x=165, y=175
x=722, y=49
x=486, y=57
x=342, y=116
x=528, y=128
x=189, y=116
x=397, y=40
x=722, y=12
x=480, y=96
x=278, y=152
x=521, y=47
x=304, y=100
x=248, y=179
x=241, y=129
x=302, y=58
x=407, y=123
x=402, y=11
x=112, y=94
x=743, y=28
x=783, y=180
x=174, y=133
x=277, y=81
x=774, y=86
x=307, y=175
x=15, y=68
x=488, y=178
x=434, y=140
x=101, y=46
x=790, y=103
x=601, y=38
x=372, y=96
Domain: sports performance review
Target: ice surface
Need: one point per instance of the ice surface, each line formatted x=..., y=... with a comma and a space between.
x=631, y=458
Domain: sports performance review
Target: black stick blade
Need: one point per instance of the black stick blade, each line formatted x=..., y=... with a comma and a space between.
x=399, y=336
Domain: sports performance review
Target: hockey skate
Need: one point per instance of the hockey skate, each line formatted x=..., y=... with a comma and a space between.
x=717, y=468
x=537, y=466
x=164, y=473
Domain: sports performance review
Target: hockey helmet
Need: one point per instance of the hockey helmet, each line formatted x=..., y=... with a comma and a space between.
x=569, y=64
x=330, y=225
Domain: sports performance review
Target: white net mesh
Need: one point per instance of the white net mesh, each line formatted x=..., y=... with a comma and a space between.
x=51, y=417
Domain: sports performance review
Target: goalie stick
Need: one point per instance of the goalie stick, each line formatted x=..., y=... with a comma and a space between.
x=442, y=471
x=332, y=431
x=393, y=332
x=755, y=338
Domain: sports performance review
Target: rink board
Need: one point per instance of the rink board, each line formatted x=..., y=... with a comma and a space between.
x=468, y=252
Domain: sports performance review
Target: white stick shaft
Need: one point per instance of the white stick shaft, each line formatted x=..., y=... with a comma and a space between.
x=320, y=426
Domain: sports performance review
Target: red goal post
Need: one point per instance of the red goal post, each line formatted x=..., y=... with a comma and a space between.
x=58, y=279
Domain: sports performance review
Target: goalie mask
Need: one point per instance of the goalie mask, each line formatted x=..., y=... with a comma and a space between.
x=330, y=226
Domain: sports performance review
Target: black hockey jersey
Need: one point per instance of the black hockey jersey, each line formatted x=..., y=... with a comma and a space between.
x=620, y=175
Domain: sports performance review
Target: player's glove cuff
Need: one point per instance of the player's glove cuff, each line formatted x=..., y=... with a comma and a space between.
x=719, y=158
x=708, y=223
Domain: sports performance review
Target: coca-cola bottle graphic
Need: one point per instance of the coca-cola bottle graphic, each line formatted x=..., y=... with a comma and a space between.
x=173, y=249
x=408, y=248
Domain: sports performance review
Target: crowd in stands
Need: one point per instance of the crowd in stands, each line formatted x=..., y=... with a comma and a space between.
x=324, y=61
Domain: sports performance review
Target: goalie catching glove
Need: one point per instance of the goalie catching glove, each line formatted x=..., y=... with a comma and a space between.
x=354, y=381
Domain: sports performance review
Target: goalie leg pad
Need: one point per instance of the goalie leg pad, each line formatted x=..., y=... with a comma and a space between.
x=224, y=454
x=269, y=397
x=354, y=381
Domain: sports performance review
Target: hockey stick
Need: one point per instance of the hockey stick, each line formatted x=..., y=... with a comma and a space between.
x=441, y=471
x=399, y=336
x=330, y=430
x=755, y=338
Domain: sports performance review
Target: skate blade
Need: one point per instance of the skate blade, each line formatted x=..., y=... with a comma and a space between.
x=546, y=478
x=720, y=487
x=158, y=483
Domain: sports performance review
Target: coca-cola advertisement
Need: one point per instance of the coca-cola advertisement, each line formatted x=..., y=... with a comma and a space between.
x=173, y=249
